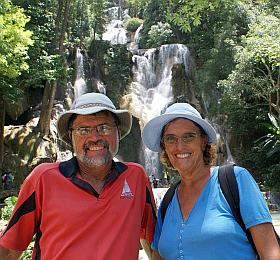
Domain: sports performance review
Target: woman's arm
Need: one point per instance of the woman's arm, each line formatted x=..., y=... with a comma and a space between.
x=147, y=247
x=156, y=256
x=265, y=241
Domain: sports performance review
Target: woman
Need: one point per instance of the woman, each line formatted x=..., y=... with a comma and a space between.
x=198, y=223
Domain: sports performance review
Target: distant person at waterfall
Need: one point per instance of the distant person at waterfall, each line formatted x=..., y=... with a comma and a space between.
x=198, y=223
x=89, y=207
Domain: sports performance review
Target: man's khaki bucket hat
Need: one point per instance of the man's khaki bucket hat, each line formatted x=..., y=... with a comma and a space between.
x=91, y=103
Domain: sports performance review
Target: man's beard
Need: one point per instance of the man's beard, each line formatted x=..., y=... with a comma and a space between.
x=95, y=162
x=98, y=160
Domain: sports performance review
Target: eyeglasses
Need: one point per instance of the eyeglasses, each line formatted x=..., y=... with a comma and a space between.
x=173, y=139
x=102, y=129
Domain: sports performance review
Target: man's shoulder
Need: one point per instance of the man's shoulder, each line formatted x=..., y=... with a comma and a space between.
x=42, y=169
x=134, y=165
x=135, y=168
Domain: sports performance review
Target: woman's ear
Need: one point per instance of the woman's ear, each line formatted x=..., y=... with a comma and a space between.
x=204, y=142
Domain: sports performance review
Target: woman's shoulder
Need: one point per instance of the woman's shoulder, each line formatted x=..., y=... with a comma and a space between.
x=240, y=173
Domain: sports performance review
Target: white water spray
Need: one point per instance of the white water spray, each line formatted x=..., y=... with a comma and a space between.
x=80, y=86
x=115, y=33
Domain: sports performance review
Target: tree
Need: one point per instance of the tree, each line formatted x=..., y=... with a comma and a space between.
x=253, y=89
x=257, y=72
x=14, y=43
x=49, y=23
x=61, y=25
x=188, y=14
x=87, y=20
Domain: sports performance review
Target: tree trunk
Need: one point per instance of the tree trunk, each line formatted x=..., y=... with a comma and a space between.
x=46, y=109
x=50, y=87
x=2, y=121
x=64, y=24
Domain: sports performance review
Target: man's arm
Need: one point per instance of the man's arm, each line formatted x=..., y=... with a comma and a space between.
x=9, y=254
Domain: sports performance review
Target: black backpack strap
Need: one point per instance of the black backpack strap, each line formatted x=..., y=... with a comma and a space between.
x=166, y=199
x=230, y=190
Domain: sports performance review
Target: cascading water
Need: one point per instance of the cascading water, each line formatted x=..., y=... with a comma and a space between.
x=80, y=86
x=151, y=90
x=133, y=45
x=101, y=87
x=115, y=33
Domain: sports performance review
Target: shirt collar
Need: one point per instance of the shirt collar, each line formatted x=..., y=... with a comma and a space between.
x=70, y=168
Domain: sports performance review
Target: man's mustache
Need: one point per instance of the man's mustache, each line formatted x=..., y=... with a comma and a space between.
x=98, y=142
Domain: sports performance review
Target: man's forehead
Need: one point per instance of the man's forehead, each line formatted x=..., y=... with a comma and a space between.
x=103, y=115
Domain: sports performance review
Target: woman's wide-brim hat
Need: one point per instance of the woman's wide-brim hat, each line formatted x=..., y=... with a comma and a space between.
x=91, y=103
x=152, y=131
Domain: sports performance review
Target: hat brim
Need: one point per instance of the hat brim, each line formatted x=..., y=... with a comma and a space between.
x=151, y=133
x=125, y=121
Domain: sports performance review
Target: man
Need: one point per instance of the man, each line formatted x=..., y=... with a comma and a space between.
x=89, y=207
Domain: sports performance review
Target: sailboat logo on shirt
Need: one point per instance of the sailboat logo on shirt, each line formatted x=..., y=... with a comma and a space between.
x=126, y=192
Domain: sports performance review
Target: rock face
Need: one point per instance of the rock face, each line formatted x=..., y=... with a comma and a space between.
x=24, y=149
x=21, y=110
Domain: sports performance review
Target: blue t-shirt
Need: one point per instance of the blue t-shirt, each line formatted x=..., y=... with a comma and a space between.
x=211, y=231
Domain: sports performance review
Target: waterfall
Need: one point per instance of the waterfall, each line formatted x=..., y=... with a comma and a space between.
x=115, y=33
x=151, y=90
x=224, y=154
x=133, y=45
x=80, y=86
x=137, y=34
x=101, y=87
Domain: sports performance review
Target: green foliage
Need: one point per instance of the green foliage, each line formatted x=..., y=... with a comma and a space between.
x=269, y=146
x=272, y=177
x=6, y=214
x=188, y=14
x=252, y=89
x=270, y=143
x=160, y=34
x=27, y=254
x=45, y=63
x=14, y=40
x=154, y=13
x=254, y=79
x=9, y=207
x=14, y=43
x=136, y=7
x=117, y=61
x=87, y=20
x=213, y=43
x=132, y=24
x=118, y=64
x=52, y=67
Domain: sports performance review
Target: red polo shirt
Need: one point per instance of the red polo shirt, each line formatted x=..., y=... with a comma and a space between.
x=72, y=221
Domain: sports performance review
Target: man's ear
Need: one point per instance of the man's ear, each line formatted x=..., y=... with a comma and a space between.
x=70, y=134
